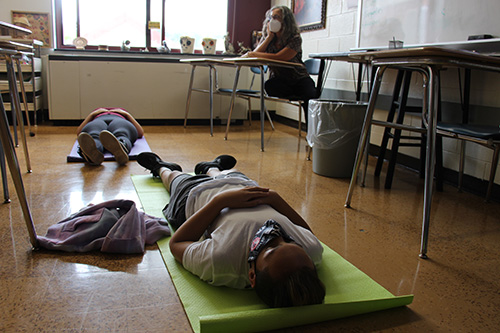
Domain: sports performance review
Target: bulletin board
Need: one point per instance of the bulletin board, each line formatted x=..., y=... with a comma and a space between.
x=425, y=21
x=40, y=25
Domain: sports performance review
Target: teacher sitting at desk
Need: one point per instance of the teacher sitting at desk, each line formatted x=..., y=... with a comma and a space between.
x=281, y=41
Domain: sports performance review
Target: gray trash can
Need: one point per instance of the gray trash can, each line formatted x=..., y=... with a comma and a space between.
x=333, y=132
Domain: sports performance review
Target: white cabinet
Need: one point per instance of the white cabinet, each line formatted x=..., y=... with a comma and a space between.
x=64, y=90
x=147, y=89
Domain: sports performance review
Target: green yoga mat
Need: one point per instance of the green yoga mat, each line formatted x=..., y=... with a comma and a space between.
x=218, y=309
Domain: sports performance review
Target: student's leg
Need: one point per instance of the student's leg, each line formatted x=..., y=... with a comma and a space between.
x=94, y=128
x=124, y=131
x=221, y=162
x=90, y=147
x=167, y=176
x=214, y=172
x=278, y=87
x=154, y=163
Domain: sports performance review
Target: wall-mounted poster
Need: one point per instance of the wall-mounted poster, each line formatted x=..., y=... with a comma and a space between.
x=38, y=23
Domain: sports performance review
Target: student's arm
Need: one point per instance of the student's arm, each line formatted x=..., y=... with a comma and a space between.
x=88, y=119
x=286, y=54
x=128, y=116
x=278, y=203
x=194, y=227
x=262, y=47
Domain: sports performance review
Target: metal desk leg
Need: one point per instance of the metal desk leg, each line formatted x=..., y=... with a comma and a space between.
x=430, y=155
x=10, y=154
x=189, y=95
x=262, y=107
x=16, y=111
x=211, y=98
x=233, y=95
x=367, y=148
x=364, y=133
x=3, y=168
x=23, y=94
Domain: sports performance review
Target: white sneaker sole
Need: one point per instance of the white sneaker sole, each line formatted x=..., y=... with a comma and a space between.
x=111, y=144
x=89, y=148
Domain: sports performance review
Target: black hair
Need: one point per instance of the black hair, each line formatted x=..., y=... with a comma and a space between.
x=302, y=287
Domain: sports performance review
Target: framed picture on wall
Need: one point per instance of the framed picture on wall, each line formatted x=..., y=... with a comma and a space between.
x=310, y=14
x=38, y=23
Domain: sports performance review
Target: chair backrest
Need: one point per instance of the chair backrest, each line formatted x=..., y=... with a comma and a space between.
x=312, y=66
x=256, y=70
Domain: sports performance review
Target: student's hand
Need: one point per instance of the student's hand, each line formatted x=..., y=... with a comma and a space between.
x=270, y=34
x=246, y=197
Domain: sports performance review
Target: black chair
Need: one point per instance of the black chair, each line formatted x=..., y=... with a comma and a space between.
x=486, y=136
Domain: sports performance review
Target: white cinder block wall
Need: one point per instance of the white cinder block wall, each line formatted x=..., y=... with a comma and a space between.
x=340, y=36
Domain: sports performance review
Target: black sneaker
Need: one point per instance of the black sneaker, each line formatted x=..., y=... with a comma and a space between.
x=115, y=147
x=154, y=163
x=88, y=149
x=222, y=162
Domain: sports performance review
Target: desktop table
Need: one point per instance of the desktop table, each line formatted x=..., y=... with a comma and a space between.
x=237, y=63
x=346, y=57
x=427, y=61
x=211, y=64
x=260, y=63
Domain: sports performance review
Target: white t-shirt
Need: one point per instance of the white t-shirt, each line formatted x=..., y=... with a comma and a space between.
x=220, y=257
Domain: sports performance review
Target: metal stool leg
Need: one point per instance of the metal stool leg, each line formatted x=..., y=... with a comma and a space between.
x=390, y=118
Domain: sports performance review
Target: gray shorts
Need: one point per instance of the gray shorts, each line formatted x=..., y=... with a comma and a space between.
x=181, y=186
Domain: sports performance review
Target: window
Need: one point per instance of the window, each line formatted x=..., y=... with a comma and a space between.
x=145, y=23
x=208, y=20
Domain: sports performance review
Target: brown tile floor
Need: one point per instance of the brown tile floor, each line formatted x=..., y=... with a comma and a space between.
x=457, y=289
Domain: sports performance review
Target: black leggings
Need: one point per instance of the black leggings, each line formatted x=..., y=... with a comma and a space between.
x=121, y=128
x=303, y=89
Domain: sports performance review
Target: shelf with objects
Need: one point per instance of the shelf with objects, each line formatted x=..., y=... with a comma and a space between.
x=31, y=68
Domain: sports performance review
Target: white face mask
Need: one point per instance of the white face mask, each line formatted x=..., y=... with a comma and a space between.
x=274, y=25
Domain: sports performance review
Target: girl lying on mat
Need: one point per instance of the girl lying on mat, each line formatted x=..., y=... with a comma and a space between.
x=231, y=232
x=113, y=129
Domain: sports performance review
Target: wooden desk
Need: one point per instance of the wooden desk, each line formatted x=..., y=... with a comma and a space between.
x=427, y=61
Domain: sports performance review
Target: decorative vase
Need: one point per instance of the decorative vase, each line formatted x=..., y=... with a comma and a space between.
x=187, y=44
x=209, y=45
